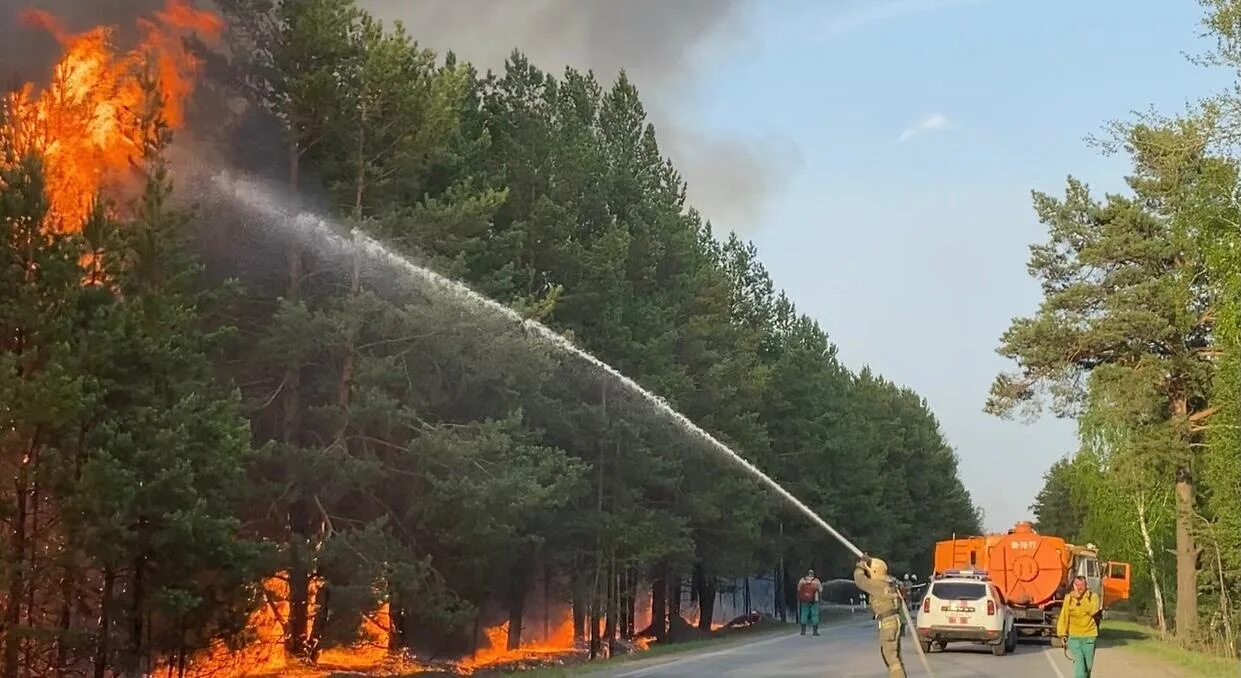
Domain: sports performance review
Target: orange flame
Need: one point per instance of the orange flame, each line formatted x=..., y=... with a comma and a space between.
x=264, y=654
x=558, y=641
x=87, y=122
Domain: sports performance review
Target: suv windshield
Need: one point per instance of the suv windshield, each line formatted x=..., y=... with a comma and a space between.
x=952, y=590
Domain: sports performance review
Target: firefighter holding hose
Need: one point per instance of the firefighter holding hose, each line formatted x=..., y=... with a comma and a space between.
x=871, y=575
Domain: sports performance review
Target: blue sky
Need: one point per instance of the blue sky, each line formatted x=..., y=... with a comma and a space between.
x=912, y=252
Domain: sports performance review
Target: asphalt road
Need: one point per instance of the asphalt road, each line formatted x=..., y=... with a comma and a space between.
x=850, y=650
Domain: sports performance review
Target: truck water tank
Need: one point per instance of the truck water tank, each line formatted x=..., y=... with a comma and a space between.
x=1028, y=567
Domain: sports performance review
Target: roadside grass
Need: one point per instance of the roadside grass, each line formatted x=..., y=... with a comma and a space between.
x=1116, y=633
x=830, y=617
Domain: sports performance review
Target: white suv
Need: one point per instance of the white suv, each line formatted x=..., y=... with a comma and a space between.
x=964, y=606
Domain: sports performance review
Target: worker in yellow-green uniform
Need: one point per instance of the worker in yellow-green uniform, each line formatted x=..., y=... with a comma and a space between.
x=1078, y=626
x=871, y=576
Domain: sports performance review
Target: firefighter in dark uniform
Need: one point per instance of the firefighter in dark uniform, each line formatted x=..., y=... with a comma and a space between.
x=871, y=575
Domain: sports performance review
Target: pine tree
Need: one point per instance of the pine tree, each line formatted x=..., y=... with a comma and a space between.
x=1124, y=306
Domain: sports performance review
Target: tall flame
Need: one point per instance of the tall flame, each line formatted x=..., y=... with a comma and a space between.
x=86, y=123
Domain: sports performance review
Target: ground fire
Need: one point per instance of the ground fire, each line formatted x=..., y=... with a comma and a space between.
x=264, y=652
x=86, y=121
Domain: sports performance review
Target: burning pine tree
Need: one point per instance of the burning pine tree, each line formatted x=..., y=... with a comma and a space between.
x=119, y=451
x=86, y=123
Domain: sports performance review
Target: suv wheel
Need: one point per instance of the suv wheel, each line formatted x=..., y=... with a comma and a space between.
x=1001, y=648
x=926, y=646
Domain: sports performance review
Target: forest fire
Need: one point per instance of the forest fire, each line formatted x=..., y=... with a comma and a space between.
x=559, y=641
x=87, y=122
x=263, y=651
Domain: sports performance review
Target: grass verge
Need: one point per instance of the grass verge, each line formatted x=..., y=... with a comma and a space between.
x=1146, y=640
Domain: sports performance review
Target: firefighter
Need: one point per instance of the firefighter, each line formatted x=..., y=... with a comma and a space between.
x=809, y=590
x=871, y=575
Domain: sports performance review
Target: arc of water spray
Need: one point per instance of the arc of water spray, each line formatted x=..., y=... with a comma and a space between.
x=254, y=196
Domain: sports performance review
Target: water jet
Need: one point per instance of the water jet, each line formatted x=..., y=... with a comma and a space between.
x=255, y=196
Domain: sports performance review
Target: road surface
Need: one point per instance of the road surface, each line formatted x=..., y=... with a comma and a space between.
x=849, y=650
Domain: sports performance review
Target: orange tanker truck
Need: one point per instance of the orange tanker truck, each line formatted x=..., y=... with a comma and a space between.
x=1033, y=572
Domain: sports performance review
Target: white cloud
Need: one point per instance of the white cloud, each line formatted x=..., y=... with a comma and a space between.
x=933, y=123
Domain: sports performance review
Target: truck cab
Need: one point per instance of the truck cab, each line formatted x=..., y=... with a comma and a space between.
x=1108, y=580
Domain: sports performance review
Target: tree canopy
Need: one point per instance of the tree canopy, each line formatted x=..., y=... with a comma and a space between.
x=1138, y=338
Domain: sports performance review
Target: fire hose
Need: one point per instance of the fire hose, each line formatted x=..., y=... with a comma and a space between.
x=926, y=666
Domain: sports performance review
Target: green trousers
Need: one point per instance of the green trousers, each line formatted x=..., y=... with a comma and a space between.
x=1082, y=650
x=808, y=613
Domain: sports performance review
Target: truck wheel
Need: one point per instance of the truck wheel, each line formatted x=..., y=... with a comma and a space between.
x=1011, y=642
x=926, y=646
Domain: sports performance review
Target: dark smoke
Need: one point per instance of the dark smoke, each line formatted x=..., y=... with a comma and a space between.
x=27, y=54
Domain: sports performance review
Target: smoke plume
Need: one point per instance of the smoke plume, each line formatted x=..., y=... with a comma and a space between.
x=659, y=43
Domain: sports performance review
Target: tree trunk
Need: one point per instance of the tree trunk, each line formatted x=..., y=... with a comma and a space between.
x=67, y=586
x=1186, y=558
x=137, y=601
x=102, y=648
x=292, y=377
x=674, y=594
x=355, y=285
x=777, y=607
x=299, y=581
x=609, y=615
x=631, y=594
x=32, y=563
x=299, y=551
x=547, y=607
x=705, y=588
x=17, y=572
x=322, y=619
x=579, y=609
x=780, y=582
x=594, y=629
x=659, y=602
x=1150, y=562
x=396, y=621
x=516, y=614
x=182, y=651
